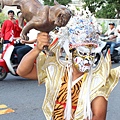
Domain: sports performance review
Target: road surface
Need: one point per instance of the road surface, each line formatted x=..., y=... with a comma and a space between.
x=25, y=97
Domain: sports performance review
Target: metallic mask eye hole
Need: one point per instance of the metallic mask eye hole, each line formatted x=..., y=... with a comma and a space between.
x=93, y=54
x=84, y=54
x=81, y=53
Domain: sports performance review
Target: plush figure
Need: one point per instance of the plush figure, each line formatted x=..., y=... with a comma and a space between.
x=40, y=17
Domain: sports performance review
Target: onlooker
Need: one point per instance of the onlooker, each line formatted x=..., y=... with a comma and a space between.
x=16, y=27
x=11, y=30
x=27, y=45
x=110, y=33
x=7, y=30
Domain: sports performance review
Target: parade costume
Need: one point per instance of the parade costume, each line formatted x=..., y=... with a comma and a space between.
x=71, y=100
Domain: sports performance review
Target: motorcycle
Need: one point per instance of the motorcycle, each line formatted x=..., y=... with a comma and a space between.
x=8, y=60
x=116, y=53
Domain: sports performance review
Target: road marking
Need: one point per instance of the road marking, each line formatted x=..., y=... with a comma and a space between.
x=3, y=106
x=4, y=109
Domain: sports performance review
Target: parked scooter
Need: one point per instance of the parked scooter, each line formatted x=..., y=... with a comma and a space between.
x=8, y=64
x=116, y=53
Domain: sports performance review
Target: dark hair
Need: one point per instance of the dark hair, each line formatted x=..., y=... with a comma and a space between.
x=11, y=11
x=18, y=12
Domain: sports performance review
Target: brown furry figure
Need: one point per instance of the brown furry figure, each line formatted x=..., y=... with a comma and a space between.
x=40, y=17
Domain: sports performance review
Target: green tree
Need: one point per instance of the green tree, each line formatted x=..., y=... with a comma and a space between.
x=103, y=8
x=51, y=2
x=107, y=11
x=2, y=17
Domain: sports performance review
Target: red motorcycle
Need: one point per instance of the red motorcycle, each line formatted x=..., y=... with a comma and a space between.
x=8, y=61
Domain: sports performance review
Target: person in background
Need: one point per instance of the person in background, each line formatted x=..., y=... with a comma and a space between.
x=7, y=30
x=111, y=38
x=26, y=46
x=16, y=36
x=17, y=28
x=110, y=32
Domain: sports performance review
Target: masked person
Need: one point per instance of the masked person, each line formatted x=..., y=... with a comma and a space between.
x=78, y=87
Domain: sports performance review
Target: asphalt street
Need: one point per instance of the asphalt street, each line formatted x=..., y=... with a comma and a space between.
x=25, y=98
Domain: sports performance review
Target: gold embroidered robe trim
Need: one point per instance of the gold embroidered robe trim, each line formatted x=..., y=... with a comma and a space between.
x=51, y=70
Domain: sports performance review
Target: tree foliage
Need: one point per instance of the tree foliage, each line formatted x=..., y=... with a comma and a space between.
x=2, y=17
x=103, y=8
x=51, y=2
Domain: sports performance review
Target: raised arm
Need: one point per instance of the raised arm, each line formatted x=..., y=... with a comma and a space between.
x=27, y=67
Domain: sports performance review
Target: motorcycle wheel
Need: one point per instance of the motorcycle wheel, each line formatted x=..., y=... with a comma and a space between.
x=116, y=60
x=3, y=73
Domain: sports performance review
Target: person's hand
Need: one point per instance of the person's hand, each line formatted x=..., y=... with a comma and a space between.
x=118, y=31
x=43, y=39
x=22, y=41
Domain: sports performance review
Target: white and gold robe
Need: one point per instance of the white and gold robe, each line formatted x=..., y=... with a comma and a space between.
x=51, y=69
